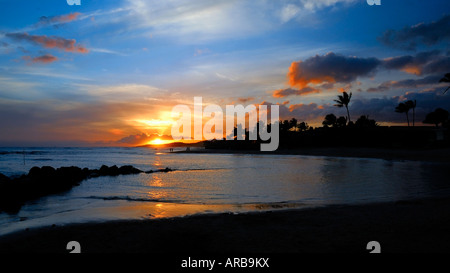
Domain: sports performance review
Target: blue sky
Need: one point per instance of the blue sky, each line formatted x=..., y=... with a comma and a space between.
x=94, y=73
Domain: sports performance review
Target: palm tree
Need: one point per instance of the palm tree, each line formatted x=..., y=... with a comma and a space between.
x=412, y=105
x=446, y=78
x=344, y=100
x=403, y=108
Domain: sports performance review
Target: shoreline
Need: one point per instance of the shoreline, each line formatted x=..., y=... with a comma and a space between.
x=432, y=155
x=415, y=226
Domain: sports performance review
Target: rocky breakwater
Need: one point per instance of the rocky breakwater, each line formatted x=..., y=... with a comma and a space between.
x=42, y=181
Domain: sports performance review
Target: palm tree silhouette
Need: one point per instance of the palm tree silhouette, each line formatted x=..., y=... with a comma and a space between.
x=344, y=100
x=403, y=108
x=446, y=78
x=412, y=105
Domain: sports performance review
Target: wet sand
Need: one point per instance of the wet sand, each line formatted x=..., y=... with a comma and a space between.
x=419, y=226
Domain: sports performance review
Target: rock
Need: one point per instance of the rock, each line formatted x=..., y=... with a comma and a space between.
x=166, y=170
x=128, y=169
x=113, y=171
x=104, y=170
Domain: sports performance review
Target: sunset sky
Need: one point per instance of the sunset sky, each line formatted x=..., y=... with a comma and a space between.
x=109, y=72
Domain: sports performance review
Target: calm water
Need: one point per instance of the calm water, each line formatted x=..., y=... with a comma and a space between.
x=205, y=183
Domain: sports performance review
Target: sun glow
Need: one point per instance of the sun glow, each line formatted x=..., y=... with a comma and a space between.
x=158, y=141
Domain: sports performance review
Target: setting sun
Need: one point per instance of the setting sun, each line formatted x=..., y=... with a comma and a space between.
x=159, y=141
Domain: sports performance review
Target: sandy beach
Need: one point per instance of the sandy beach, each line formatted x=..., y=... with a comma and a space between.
x=420, y=226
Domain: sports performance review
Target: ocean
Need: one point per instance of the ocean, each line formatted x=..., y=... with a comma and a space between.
x=211, y=183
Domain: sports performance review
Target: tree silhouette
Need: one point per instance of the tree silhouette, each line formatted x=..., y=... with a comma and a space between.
x=365, y=122
x=293, y=124
x=330, y=120
x=344, y=100
x=446, y=78
x=403, y=108
x=437, y=116
x=303, y=126
x=412, y=105
x=284, y=125
x=341, y=122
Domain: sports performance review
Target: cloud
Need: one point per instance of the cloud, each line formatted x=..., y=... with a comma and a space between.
x=314, y=5
x=121, y=92
x=311, y=113
x=281, y=93
x=410, y=37
x=288, y=12
x=407, y=84
x=141, y=139
x=330, y=68
x=245, y=100
x=107, y=51
x=322, y=73
x=47, y=58
x=216, y=20
x=423, y=63
x=58, y=19
x=47, y=119
x=49, y=42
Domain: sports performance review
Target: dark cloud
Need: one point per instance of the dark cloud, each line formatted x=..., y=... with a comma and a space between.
x=289, y=91
x=330, y=68
x=322, y=73
x=407, y=84
x=141, y=139
x=429, y=62
x=49, y=42
x=410, y=37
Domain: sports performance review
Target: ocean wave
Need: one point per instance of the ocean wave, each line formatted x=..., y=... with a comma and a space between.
x=257, y=205
x=133, y=199
x=189, y=170
x=23, y=152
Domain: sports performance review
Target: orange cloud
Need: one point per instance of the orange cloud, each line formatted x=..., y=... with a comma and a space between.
x=303, y=106
x=50, y=42
x=47, y=58
x=281, y=93
x=116, y=132
x=298, y=76
x=59, y=18
x=412, y=70
x=330, y=68
x=245, y=100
